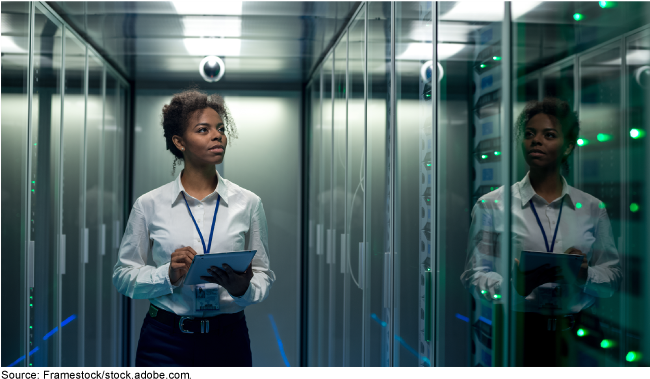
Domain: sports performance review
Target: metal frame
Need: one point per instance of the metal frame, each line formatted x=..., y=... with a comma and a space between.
x=61, y=255
x=392, y=199
x=506, y=171
x=26, y=201
x=366, y=299
x=344, y=253
x=436, y=345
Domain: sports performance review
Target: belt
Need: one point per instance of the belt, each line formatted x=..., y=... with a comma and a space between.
x=557, y=323
x=189, y=324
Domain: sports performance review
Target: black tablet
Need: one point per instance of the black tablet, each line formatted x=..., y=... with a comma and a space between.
x=531, y=260
x=237, y=260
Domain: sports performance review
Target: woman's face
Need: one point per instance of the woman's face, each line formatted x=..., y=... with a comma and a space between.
x=544, y=144
x=205, y=138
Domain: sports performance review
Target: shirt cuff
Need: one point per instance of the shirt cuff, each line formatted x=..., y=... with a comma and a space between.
x=246, y=298
x=165, y=267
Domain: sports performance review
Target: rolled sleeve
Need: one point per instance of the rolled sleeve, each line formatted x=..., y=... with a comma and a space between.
x=263, y=277
x=604, y=272
x=132, y=277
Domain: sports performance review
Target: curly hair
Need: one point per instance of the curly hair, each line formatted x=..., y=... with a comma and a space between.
x=176, y=116
x=559, y=111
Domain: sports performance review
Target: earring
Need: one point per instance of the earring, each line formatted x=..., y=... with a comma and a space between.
x=182, y=149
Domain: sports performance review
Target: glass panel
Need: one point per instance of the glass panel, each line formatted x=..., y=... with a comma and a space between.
x=600, y=175
x=377, y=209
x=325, y=194
x=470, y=33
x=338, y=327
x=353, y=265
x=46, y=118
x=633, y=289
x=92, y=318
x=315, y=228
x=15, y=72
x=459, y=39
x=107, y=229
x=72, y=206
x=413, y=191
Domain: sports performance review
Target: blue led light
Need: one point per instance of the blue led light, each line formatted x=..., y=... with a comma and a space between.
x=50, y=333
x=461, y=317
x=67, y=320
x=489, y=322
x=412, y=350
x=277, y=337
x=33, y=351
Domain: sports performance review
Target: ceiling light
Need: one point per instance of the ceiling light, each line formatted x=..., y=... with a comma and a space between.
x=226, y=8
x=489, y=11
x=211, y=26
x=225, y=47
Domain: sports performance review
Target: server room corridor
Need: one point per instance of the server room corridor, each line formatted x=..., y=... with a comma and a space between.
x=443, y=183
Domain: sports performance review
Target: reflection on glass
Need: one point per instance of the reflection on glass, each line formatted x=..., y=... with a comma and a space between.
x=353, y=265
x=377, y=208
x=337, y=300
x=15, y=67
x=315, y=229
x=45, y=146
x=72, y=204
x=94, y=230
x=413, y=186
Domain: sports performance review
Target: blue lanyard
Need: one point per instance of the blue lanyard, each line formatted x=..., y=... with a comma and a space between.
x=214, y=219
x=548, y=249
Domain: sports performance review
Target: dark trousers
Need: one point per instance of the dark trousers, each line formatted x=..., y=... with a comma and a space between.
x=161, y=345
x=539, y=347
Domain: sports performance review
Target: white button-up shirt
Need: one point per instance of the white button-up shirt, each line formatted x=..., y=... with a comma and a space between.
x=160, y=223
x=584, y=225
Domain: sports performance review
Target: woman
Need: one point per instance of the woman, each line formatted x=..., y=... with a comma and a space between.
x=194, y=325
x=548, y=215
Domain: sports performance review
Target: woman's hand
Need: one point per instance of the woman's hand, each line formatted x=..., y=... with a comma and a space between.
x=526, y=282
x=584, y=267
x=180, y=263
x=235, y=283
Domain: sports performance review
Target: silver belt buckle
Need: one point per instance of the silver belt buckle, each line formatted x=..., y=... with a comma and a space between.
x=205, y=326
x=180, y=324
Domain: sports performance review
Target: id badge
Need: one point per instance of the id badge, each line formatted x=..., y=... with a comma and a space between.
x=206, y=297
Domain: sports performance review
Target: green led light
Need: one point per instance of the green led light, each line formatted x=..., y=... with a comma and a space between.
x=31, y=327
x=33, y=182
x=482, y=65
x=429, y=269
x=601, y=205
x=496, y=58
x=581, y=332
x=603, y=4
x=33, y=190
x=583, y=142
x=31, y=305
x=483, y=292
x=31, y=297
x=496, y=296
x=496, y=201
x=607, y=4
x=428, y=164
x=578, y=16
x=482, y=201
x=578, y=205
x=34, y=144
x=633, y=356
x=484, y=156
x=491, y=188
x=31, y=364
x=497, y=153
x=606, y=344
x=634, y=207
x=637, y=133
x=602, y=137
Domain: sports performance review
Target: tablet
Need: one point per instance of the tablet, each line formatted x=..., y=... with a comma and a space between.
x=531, y=260
x=237, y=260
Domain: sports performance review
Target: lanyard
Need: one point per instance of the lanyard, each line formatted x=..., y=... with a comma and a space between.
x=548, y=249
x=214, y=219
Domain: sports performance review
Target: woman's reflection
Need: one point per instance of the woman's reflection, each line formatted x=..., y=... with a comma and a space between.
x=548, y=216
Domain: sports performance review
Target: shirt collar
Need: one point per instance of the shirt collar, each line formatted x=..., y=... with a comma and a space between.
x=177, y=188
x=527, y=192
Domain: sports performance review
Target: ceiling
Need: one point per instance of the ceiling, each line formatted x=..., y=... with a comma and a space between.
x=261, y=43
